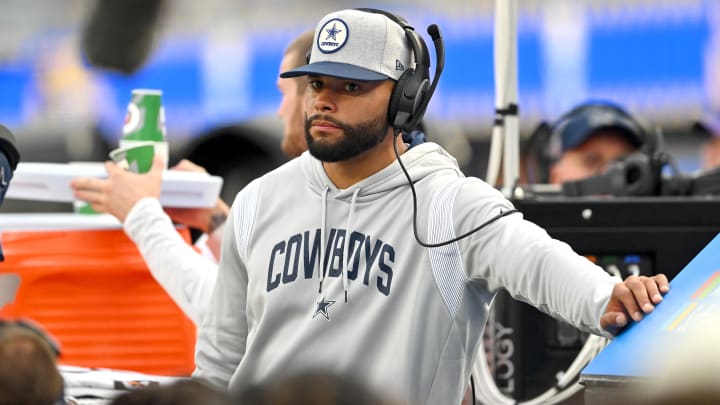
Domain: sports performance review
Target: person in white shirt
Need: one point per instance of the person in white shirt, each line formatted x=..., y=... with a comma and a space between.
x=187, y=275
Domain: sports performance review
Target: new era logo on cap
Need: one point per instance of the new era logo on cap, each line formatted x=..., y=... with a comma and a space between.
x=359, y=45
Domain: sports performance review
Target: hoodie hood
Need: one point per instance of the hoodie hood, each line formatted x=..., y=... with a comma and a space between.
x=420, y=161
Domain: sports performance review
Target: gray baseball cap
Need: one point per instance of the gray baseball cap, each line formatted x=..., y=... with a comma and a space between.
x=359, y=45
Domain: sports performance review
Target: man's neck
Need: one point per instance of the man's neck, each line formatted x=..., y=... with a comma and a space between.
x=348, y=172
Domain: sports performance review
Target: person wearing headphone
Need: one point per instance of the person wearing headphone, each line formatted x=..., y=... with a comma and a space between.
x=586, y=139
x=375, y=261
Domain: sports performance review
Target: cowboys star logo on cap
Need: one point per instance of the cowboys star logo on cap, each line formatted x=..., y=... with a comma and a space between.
x=332, y=36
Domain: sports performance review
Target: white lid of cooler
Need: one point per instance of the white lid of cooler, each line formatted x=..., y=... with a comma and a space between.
x=44, y=221
x=51, y=182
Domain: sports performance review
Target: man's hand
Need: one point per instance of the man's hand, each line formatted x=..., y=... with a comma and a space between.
x=121, y=190
x=632, y=298
x=204, y=219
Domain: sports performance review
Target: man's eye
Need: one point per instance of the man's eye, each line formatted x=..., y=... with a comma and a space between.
x=315, y=84
x=351, y=87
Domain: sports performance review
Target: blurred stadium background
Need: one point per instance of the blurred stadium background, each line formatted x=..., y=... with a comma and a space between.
x=216, y=62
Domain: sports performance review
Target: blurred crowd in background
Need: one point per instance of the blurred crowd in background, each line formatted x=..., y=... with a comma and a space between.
x=216, y=63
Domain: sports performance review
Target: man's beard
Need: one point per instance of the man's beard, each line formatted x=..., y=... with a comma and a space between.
x=355, y=140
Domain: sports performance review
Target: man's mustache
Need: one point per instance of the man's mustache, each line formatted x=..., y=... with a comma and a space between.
x=321, y=117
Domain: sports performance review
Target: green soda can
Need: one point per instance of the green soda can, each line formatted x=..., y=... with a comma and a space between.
x=145, y=118
x=145, y=123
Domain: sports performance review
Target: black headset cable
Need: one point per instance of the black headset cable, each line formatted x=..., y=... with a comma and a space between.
x=414, y=197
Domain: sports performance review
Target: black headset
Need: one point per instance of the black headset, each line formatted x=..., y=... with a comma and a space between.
x=409, y=101
x=637, y=174
x=546, y=143
x=413, y=90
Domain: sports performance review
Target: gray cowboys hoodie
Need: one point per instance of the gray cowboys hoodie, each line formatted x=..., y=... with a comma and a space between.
x=314, y=277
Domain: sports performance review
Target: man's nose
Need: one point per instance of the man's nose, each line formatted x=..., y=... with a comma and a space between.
x=324, y=101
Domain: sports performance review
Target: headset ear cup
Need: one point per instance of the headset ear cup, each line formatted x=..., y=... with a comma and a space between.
x=410, y=95
x=407, y=100
x=398, y=110
x=639, y=177
x=420, y=95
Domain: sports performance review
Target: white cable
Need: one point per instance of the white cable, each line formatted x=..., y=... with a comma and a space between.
x=563, y=389
x=590, y=349
x=487, y=391
x=511, y=153
x=504, y=145
x=507, y=86
x=614, y=270
x=493, y=168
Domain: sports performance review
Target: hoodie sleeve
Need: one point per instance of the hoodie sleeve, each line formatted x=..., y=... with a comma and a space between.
x=186, y=275
x=222, y=336
x=521, y=257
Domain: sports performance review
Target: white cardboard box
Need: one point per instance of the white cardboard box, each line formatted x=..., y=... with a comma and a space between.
x=51, y=182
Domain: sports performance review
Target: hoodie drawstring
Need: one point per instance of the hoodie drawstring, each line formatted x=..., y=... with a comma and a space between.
x=347, y=242
x=346, y=248
x=323, y=222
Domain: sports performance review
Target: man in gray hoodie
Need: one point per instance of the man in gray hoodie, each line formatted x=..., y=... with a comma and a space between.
x=375, y=261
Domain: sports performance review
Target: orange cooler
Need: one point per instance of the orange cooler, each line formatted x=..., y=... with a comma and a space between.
x=91, y=289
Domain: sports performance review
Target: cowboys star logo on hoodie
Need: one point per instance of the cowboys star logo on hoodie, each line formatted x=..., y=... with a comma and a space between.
x=332, y=36
x=322, y=308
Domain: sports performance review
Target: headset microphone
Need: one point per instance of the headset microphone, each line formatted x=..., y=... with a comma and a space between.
x=434, y=32
x=415, y=118
x=413, y=89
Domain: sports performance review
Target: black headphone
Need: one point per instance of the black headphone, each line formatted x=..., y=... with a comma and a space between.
x=637, y=174
x=413, y=90
x=546, y=142
x=409, y=101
